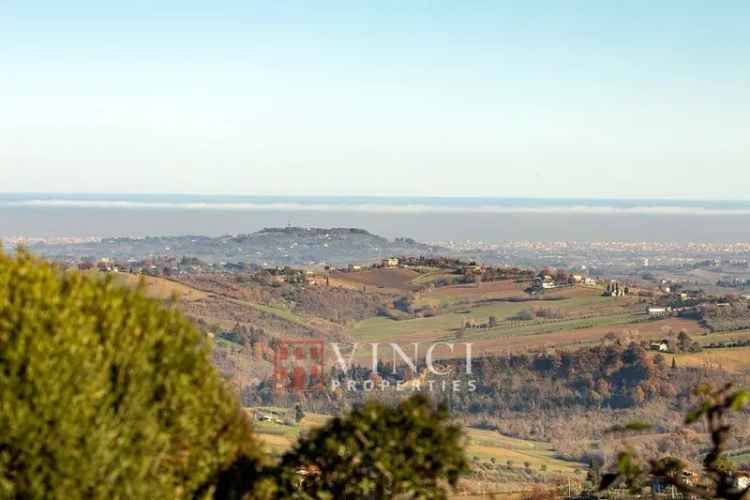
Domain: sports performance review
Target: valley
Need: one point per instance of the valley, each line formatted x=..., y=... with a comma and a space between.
x=558, y=356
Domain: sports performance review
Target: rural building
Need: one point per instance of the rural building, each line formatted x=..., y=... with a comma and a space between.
x=544, y=281
x=472, y=269
x=390, y=262
x=657, y=311
x=615, y=290
x=661, y=346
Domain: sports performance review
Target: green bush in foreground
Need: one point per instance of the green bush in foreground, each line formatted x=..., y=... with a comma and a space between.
x=377, y=452
x=107, y=394
x=104, y=393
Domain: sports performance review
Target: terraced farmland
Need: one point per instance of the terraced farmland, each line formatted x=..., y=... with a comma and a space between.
x=585, y=317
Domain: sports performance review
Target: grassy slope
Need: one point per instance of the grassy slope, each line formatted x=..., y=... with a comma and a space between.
x=155, y=288
x=588, y=317
x=484, y=444
x=731, y=359
x=400, y=280
x=162, y=289
x=380, y=328
x=274, y=311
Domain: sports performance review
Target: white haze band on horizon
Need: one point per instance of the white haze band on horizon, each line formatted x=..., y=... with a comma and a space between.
x=380, y=208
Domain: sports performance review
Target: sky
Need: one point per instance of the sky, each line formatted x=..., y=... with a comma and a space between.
x=410, y=98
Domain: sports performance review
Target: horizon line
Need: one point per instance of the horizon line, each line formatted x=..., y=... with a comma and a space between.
x=380, y=196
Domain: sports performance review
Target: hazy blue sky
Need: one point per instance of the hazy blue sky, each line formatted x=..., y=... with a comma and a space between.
x=589, y=98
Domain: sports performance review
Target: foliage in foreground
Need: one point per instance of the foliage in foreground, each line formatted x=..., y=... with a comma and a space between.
x=720, y=482
x=378, y=452
x=107, y=394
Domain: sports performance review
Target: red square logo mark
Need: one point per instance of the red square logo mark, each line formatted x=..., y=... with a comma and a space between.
x=298, y=365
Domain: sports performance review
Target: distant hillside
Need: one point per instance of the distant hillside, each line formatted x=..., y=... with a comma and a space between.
x=268, y=247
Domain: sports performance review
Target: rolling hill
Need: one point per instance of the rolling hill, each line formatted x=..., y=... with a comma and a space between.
x=268, y=247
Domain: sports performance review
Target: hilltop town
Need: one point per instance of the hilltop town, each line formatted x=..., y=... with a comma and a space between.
x=268, y=247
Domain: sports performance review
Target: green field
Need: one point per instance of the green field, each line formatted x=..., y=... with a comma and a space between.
x=282, y=313
x=540, y=327
x=579, y=312
x=488, y=444
x=431, y=277
x=482, y=444
x=743, y=458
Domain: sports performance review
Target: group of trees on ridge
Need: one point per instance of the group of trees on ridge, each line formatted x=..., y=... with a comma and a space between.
x=602, y=376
